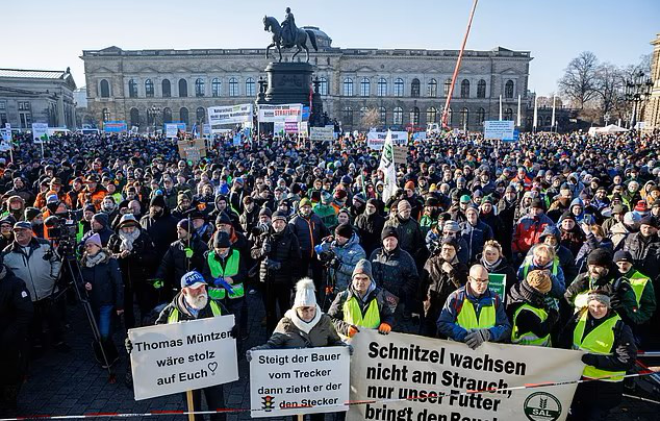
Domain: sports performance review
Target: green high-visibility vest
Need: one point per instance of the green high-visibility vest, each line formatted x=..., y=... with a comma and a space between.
x=230, y=269
x=638, y=282
x=174, y=315
x=467, y=317
x=529, y=338
x=80, y=233
x=528, y=262
x=353, y=314
x=598, y=341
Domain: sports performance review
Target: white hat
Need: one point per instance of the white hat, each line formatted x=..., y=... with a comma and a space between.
x=305, y=293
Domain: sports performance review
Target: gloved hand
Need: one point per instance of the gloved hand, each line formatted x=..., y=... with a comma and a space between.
x=273, y=265
x=189, y=252
x=128, y=345
x=335, y=263
x=384, y=328
x=485, y=334
x=234, y=332
x=157, y=283
x=352, y=331
x=265, y=247
x=589, y=359
x=622, y=354
x=350, y=349
x=248, y=355
x=474, y=339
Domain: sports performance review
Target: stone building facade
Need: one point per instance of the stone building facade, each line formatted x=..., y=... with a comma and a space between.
x=406, y=87
x=37, y=96
x=652, y=106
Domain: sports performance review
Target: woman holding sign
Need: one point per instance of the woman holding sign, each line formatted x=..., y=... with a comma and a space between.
x=303, y=326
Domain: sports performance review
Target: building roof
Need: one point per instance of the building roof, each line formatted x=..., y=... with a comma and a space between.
x=33, y=74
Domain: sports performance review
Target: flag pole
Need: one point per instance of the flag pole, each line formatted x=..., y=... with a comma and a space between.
x=445, y=111
x=500, y=107
x=536, y=113
x=554, y=104
x=519, y=101
x=191, y=405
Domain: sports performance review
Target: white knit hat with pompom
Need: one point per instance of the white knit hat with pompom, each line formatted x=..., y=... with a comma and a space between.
x=305, y=293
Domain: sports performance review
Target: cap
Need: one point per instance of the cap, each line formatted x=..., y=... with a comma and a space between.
x=221, y=240
x=389, y=232
x=623, y=256
x=192, y=279
x=22, y=225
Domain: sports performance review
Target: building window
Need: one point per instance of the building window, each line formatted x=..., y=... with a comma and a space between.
x=398, y=87
x=149, y=88
x=363, y=113
x=431, y=115
x=397, y=116
x=167, y=115
x=415, y=88
x=3, y=118
x=348, y=87
x=200, y=87
x=25, y=118
x=450, y=117
x=233, y=87
x=481, y=116
x=382, y=87
x=105, y=89
x=463, y=117
x=414, y=116
x=383, y=115
x=323, y=86
x=508, y=114
x=432, y=89
x=166, y=87
x=447, y=86
x=348, y=116
x=215, y=87
x=183, y=115
x=23, y=105
x=465, y=88
x=365, y=86
x=105, y=115
x=200, y=114
x=183, y=88
x=132, y=88
x=135, y=117
x=250, y=89
x=481, y=89
x=508, y=89
x=3, y=105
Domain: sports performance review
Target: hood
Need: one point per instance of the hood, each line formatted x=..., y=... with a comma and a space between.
x=577, y=201
x=355, y=239
x=550, y=230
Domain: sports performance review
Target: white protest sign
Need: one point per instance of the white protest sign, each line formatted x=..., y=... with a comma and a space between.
x=498, y=129
x=171, y=130
x=278, y=128
x=406, y=366
x=280, y=113
x=299, y=381
x=39, y=132
x=322, y=134
x=229, y=114
x=177, y=357
x=400, y=154
x=290, y=127
x=376, y=140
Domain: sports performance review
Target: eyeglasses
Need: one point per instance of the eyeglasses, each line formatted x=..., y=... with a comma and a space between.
x=480, y=280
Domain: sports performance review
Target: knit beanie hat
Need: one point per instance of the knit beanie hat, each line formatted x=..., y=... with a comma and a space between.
x=304, y=202
x=31, y=213
x=600, y=296
x=221, y=240
x=344, y=230
x=599, y=257
x=363, y=267
x=389, y=232
x=623, y=256
x=265, y=211
x=279, y=215
x=305, y=293
x=183, y=224
x=94, y=239
x=158, y=200
x=540, y=281
x=223, y=218
x=101, y=218
x=89, y=208
x=410, y=185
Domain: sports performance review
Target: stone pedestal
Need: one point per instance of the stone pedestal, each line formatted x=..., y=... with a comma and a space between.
x=288, y=83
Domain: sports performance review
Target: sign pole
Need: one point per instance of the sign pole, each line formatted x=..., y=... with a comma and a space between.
x=301, y=417
x=191, y=405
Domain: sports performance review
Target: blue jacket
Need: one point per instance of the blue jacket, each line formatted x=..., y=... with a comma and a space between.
x=558, y=281
x=447, y=322
x=348, y=255
x=475, y=237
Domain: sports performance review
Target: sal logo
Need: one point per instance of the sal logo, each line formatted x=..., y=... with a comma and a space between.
x=268, y=403
x=542, y=406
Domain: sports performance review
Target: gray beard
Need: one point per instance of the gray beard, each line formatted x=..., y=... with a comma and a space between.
x=198, y=303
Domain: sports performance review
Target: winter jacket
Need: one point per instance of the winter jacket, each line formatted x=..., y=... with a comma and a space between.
x=38, y=265
x=309, y=231
x=326, y=213
x=16, y=310
x=528, y=231
x=566, y=258
x=136, y=267
x=436, y=285
x=105, y=278
x=162, y=231
x=556, y=274
x=369, y=228
x=645, y=253
x=497, y=227
x=621, y=294
x=249, y=220
x=475, y=236
x=447, y=322
x=336, y=311
x=284, y=253
x=618, y=234
x=347, y=256
x=175, y=264
x=184, y=315
x=287, y=335
x=410, y=235
x=395, y=271
x=590, y=244
x=501, y=268
x=520, y=294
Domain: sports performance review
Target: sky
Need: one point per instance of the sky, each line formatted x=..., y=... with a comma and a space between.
x=51, y=35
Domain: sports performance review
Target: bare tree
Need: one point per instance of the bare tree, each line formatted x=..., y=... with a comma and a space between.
x=609, y=85
x=579, y=81
x=371, y=118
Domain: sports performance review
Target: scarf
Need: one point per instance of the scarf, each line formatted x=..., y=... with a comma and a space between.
x=491, y=267
x=91, y=261
x=128, y=239
x=300, y=323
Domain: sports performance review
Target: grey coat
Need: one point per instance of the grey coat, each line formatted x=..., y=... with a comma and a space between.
x=287, y=334
x=37, y=265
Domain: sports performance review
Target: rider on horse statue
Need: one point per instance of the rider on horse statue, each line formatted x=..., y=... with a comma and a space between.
x=289, y=29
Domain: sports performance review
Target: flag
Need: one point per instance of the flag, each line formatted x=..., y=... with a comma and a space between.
x=387, y=167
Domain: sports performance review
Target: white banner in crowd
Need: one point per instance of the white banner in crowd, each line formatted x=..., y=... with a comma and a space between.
x=39, y=132
x=322, y=134
x=177, y=357
x=376, y=140
x=403, y=366
x=171, y=130
x=280, y=113
x=502, y=130
x=229, y=114
x=286, y=382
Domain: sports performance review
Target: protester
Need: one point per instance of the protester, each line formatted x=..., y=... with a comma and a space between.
x=532, y=314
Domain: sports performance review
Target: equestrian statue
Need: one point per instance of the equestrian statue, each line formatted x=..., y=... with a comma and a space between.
x=288, y=35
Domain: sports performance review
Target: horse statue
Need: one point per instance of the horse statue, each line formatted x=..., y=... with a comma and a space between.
x=300, y=41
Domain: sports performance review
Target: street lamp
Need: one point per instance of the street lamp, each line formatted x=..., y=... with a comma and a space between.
x=638, y=89
x=153, y=112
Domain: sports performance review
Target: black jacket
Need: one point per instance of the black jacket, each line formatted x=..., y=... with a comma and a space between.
x=645, y=254
x=16, y=311
x=105, y=277
x=136, y=267
x=369, y=229
x=521, y=293
x=437, y=285
x=395, y=271
x=162, y=231
x=284, y=250
x=175, y=264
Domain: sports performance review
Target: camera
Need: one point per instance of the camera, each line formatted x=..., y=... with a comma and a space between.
x=259, y=229
x=63, y=233
x=326, y=257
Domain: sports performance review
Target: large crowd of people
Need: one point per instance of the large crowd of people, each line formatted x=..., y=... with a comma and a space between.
x=570, y=221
